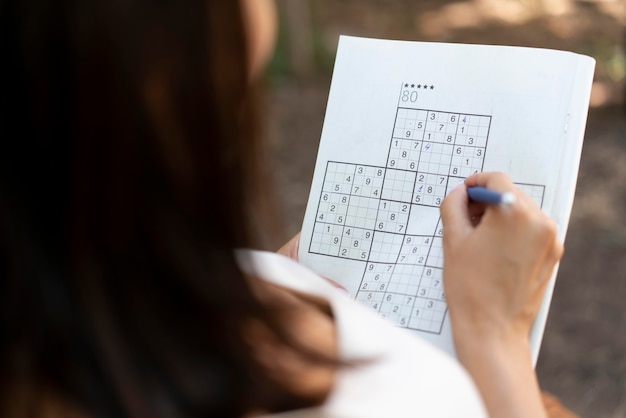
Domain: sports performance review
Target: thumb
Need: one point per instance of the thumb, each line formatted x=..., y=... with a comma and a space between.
x=454, y=213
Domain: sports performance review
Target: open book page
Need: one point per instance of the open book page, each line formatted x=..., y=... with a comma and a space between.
x=405, y=123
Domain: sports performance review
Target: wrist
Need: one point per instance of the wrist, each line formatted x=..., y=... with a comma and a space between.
x=501, y=367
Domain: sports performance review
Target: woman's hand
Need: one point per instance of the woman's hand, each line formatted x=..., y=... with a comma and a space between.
x=497, y=262
x=290, y=249
x=497, y=259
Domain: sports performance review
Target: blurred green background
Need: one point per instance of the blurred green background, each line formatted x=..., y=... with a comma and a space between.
x=583, y=357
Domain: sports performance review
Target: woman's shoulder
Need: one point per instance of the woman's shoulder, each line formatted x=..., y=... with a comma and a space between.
x=398, y=374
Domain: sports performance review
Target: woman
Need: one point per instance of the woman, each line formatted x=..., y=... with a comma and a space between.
x=129, y=179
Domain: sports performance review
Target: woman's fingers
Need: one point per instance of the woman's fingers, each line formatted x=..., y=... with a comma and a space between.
x=500, y=182
x=290, y=249
x=455, y=215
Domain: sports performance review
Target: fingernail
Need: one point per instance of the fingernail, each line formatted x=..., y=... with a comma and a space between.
x=453, y=188
x=508, y=198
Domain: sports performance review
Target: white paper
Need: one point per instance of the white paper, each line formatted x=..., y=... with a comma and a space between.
x=405, y=122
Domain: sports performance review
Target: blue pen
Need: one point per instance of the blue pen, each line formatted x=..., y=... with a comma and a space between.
x=484, y=195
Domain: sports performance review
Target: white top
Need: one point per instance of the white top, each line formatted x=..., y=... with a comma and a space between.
x=408, y=377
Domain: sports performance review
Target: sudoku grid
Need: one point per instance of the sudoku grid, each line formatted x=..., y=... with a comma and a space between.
x=383, y=215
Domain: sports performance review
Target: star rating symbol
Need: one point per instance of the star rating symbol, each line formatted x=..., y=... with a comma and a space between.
x=420, y=86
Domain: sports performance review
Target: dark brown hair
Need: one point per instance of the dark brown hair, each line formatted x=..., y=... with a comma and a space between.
x=127, y=177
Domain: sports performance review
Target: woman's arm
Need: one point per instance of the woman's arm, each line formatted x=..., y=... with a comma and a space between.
x=497, y=262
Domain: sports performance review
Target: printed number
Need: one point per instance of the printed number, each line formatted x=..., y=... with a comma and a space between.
x=409, y=96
